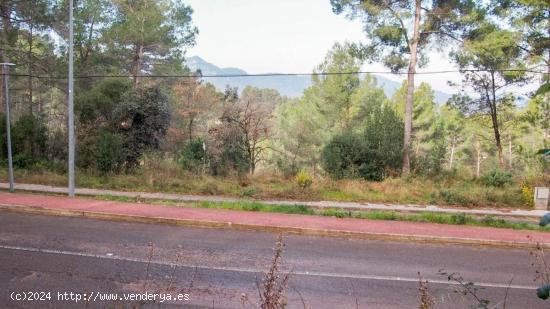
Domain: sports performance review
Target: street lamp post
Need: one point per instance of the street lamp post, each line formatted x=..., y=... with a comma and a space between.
x=70, y=104
x=5, y=70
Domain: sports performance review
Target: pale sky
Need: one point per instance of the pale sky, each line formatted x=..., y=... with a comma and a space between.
x=284, y=36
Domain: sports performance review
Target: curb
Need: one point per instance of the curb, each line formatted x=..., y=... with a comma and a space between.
x=512, y=215
x=270, y=228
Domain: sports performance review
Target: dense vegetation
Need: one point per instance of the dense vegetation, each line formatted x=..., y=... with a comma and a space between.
x=145, y=121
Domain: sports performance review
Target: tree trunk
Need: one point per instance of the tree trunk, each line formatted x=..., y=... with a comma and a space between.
x=452, y=154
x=136, y=66
x=494, y=119
x=410, y=91
x=190, y=128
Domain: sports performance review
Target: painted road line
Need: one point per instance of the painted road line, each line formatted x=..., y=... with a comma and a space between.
x=259, y=271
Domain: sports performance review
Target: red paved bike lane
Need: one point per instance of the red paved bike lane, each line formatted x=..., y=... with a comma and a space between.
x=263, y=221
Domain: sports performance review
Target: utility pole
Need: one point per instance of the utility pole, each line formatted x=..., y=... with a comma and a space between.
x=5, y=70
x=70, y=100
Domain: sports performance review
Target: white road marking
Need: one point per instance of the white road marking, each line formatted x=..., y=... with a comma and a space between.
x=250, y=270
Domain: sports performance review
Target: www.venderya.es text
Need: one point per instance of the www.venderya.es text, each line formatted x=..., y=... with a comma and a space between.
x=46, y=296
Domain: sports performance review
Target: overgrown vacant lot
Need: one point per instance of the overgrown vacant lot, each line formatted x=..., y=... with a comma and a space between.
x=163, y=176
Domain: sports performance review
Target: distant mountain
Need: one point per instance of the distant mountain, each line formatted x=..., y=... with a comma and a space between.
x=288, y=85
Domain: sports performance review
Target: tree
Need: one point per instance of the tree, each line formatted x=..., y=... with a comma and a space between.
x=193, y=100
x=299, y=136
x=367, y=96
x=489, y=61
x=424, y=116
x=479, y=144
x=21, y=21
x=147, y=30
x=142, y=119
x=400, y=33
x=371, y=154
x=454, y=122
x=252, y=116
x=531, y=19
x=335, y=91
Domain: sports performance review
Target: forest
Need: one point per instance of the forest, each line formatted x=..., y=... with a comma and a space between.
x=145, y=121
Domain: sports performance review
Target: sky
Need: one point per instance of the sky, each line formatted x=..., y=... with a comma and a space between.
x=285, y=36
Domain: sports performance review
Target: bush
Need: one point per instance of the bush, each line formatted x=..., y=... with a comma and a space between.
x=304, y=179
x=142, y=119
x=192, y=156
x=28, y=141
x=497, y=178
x=109, y=152
x=227, y=150
x=453, y=197
x=210, y=188
x=369, y=155
x=250, y=192
x=527, y=195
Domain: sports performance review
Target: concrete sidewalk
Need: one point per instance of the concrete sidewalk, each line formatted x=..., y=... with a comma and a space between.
x=299, y=224
x=533, y=215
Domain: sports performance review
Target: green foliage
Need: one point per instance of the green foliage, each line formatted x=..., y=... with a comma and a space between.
x=304, y=179
x=28, y=141
x=389, y=26
x=342, y=156
x=431, y=162
x=544, y=89
x=454, y=197
x=109, y=152
x=497, y=178
x=97, y=104
x=147, y=30
x=142, y=119
x=193, y=155
x=371, y=154
x=250, y=192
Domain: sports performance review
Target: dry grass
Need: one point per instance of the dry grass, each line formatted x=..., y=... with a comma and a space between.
x=164, y=176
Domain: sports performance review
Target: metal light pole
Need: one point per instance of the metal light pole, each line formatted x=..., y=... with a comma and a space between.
x=5, y=67
x=71, y=104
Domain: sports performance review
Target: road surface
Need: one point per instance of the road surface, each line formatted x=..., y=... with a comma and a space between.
x=221, y=268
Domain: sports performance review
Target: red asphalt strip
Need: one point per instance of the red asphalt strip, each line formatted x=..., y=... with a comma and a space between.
x=273, y=219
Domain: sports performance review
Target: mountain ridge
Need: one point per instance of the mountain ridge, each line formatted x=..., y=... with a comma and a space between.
x=287, y=85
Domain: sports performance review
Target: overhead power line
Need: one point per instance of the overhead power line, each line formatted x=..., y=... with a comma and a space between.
x=273, y=74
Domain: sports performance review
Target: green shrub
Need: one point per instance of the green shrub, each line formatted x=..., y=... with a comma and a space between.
x=454, y=197
x=109, y=152
x=371, y=154
x=459, y=219
x=28, y=141
x=142, y=119
x=250, y=192
x=304, y=179
x=497, y=178
x=192, y=156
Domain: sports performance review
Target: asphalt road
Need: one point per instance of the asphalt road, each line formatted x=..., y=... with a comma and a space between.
x=221, y=268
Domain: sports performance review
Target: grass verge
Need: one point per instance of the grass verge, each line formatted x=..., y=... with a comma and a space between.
x=429, y=217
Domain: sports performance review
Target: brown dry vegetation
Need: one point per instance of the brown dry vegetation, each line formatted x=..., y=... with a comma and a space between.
x=164, y=176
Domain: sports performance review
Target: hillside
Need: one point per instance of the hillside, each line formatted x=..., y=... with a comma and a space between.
x=291, y=86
